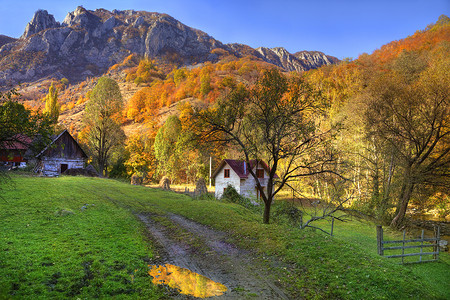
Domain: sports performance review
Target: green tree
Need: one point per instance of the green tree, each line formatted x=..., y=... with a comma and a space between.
x=278, y=121
x=20, y=125
x=179, y=75
x=102, y=119
x=51, y=104
x=16, y=122
x=205, y=84
x=166, y=142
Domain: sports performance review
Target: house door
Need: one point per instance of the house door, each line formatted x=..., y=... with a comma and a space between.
x=258, y=194
x=64, y=167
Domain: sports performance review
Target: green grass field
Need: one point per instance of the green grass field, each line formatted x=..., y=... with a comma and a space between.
x=76, y=237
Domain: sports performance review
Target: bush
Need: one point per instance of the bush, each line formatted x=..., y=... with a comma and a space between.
x=231, y=195
x=64, y=81
x=206, y=196
x=284, y=211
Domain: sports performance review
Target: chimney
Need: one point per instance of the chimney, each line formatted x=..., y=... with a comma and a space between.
x=245, y=169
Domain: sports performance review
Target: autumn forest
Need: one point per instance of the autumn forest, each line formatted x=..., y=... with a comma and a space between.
x=370, y=133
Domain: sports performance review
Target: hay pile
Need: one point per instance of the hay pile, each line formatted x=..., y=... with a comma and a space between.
x=136, y=179
x=164, y=183
x=200, y=187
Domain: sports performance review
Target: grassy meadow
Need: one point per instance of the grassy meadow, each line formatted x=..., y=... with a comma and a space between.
x=76, y=237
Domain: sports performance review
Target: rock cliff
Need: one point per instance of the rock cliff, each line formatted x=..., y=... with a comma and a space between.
x=41, y=21
x=300, y=61
x=5, y=40
x=87, y=42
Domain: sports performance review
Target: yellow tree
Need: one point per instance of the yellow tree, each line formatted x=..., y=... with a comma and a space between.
x=51, y=104
x=408, y=109
x=141, y=159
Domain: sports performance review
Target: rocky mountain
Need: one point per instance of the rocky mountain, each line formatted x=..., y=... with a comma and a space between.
x=5, y=40
x=300, y=61
x=87, y=42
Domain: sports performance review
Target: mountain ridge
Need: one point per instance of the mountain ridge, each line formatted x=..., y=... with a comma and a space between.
x=86, y=43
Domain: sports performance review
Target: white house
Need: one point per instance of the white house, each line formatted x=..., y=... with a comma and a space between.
x=236, y=173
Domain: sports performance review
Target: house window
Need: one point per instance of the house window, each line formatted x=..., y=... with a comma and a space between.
x=260, y=173
x=226, y=173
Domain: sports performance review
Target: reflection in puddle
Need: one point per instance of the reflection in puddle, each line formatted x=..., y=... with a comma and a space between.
x=188, y=282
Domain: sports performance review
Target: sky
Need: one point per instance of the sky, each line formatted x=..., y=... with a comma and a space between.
x=341, y=28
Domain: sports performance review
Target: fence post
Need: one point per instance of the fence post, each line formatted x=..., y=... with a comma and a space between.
x=380, y=239
x=403, y=246
x=437, y=236
x=421, y=248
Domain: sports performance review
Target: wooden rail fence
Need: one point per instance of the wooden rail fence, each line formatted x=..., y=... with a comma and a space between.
x=418, y=243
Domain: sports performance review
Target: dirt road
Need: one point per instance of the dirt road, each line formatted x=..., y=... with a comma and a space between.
x=193, y=246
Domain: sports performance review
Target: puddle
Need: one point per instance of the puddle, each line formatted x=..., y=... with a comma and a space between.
x=188, y=282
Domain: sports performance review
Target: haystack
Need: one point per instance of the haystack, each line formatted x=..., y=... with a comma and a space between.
x=136, y=179
x=164, y=183
x=200, y=187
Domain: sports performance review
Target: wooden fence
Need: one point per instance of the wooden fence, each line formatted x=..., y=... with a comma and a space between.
x=417, y=243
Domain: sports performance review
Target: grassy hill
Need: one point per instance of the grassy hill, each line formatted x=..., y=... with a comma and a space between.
x=76, y=237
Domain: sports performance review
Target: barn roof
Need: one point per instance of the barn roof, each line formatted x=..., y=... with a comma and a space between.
x=65, y=132
x=240, y=167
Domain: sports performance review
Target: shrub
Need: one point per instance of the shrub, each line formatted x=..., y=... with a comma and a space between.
x=206, y=196
x=64, y=81
x=231, y=195
x=284, y=211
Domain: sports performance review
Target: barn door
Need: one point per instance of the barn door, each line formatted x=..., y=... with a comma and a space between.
x=64, y=167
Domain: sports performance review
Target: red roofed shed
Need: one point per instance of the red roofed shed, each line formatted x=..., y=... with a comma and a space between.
x=12, y=151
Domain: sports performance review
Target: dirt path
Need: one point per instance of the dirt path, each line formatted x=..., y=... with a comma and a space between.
x=190, y=245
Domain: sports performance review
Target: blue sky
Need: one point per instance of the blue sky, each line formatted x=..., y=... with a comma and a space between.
x=344, y=28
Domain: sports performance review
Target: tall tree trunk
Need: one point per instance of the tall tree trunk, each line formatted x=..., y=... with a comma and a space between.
x=106, y=167
x=405, y=196
x=266, y=216
x=387, y=189
x=376, y=183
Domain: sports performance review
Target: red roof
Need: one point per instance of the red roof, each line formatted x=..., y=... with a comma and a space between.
x=241, y=168
x=17, y=142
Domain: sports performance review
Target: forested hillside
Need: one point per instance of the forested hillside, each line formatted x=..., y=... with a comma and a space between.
x=375, y=128
x=394, y=109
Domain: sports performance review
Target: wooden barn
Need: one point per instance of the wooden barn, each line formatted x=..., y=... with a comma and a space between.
x=61, y=154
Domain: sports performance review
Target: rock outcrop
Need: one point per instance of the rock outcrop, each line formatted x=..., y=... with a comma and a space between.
x=88, y=42
x=6, y=40
x=300, y=61
x=41, y=21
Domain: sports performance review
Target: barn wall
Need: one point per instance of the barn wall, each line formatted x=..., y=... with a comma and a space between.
x=222, y=182
x=51, y=166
